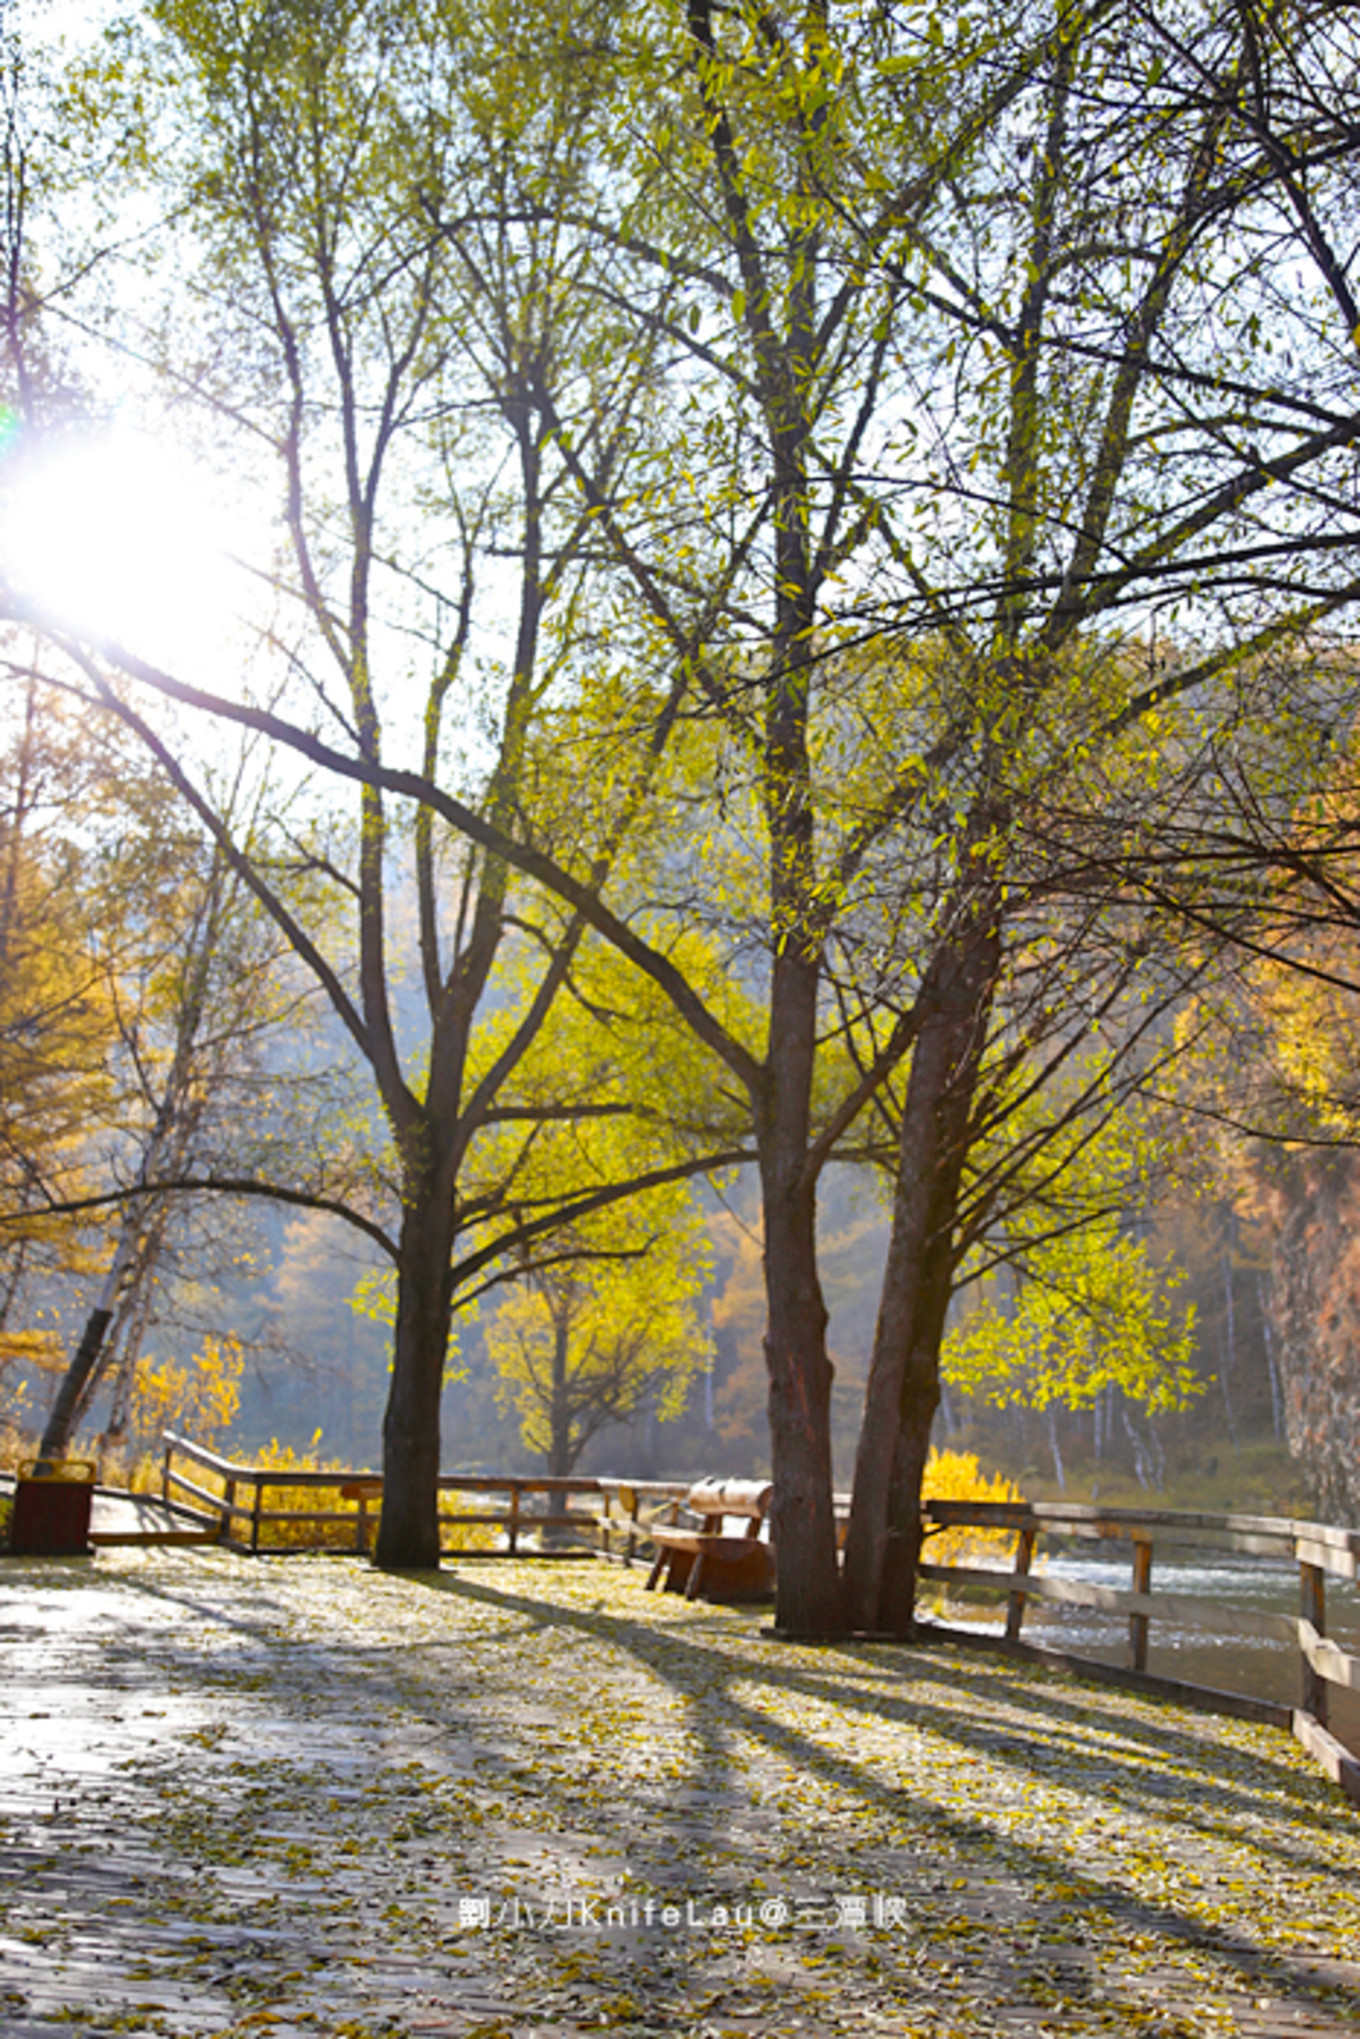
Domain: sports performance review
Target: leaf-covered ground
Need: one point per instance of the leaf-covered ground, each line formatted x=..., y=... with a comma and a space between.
x=283, y=1795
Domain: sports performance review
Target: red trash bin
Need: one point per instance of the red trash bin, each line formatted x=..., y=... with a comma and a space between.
x=51, y=1517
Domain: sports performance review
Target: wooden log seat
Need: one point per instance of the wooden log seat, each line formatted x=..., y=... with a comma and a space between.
x=708, y=1563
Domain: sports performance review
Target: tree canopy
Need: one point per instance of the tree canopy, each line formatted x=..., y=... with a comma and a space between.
x=782, y=519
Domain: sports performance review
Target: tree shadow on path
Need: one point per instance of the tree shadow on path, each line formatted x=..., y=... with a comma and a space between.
x=1158, y=1768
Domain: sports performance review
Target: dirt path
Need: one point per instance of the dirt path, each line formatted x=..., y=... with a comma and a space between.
x=287, y=1795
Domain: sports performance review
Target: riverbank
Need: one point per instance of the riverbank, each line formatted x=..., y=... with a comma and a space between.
x=241, y=1796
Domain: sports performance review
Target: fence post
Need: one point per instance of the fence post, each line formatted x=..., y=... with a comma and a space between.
x=255, y=1515
x=228, y=1512
x=514, y=1518
x=1015, y=1601
x=165, y=1471
x=1138, y=1623
x=1313, y=1608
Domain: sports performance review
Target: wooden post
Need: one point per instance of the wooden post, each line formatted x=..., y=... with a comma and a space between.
x=255, y=1515
x=632, y=1504
x=1313, y=1608
x=1015, y=1601
x=1138, y=1623
x=514, y=1518
x=228, y=1516
x=663, y=1556
x=165, y=1471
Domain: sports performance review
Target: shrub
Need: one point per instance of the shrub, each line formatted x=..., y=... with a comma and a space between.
x=958, y=1476
x=200, y=1399
x=300, y=1501
x=305, y=1501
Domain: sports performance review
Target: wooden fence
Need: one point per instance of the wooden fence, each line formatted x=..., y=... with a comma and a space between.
x=613, y=1518
x=609, y=1516
x=1320, y=1550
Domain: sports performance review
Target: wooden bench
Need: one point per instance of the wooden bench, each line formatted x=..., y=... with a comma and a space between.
x=722, y=1567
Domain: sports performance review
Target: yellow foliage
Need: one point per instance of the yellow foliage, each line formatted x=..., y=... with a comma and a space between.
x=593, y=1340
x=42, y=1349
x=281, y=1458
x=958, y=1476
x=200, y=1398
x=304, y=1501
x=39, y=1353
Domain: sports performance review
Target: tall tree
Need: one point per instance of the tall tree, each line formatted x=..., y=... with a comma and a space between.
x=400, y=366
x=1106, y=375
x=55, y=1019
x=608, y=1331
x=746, y=132
x=967, y=332
x=190, y=1014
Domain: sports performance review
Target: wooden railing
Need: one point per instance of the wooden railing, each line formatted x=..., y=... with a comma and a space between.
x=1320, y=1550
x=612, y=1517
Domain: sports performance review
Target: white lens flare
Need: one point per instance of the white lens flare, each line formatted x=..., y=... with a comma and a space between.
x=118, y=534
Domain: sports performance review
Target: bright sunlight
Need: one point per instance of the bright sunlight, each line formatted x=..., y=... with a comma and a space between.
x=123, y=535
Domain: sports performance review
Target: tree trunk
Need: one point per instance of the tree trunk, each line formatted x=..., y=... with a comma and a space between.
x=883, y=1544
x=802, y=1515
x=803, y=1527
x=883, y=1541
x=408, y=1532
x=122, y=1341
x=60, y=1423
x=559, y=1443
x=896, y=1610
x=70, y=1396
x=167, y=1145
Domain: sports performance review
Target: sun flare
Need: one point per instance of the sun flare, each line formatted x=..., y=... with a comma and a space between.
x=122, y=535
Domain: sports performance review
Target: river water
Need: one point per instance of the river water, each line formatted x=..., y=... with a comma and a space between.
x=1267, y=1670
